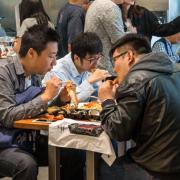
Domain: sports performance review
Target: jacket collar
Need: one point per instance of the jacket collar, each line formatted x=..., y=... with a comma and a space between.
x=154, y=62
x=18, y=66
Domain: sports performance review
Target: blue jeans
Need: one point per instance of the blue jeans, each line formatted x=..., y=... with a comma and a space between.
x=126, y=169
x=18, y=164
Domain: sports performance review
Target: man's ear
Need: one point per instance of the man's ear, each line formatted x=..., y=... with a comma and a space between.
x=131, y=59
x=76, y=58
x=31, y=53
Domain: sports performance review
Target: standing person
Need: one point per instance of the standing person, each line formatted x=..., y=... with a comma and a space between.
x=70, y=22
x=143, y=107
x=139, y=19
x=31, y=13
x=104, y=18
x=166, y=45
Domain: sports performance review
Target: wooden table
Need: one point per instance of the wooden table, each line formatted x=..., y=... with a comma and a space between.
x=54, y=152
x=29, y=124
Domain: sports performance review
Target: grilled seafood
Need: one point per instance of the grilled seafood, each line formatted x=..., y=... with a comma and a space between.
x=71, y=89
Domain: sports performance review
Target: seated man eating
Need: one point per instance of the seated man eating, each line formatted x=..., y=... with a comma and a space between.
x=79, y=65
x=37, y=55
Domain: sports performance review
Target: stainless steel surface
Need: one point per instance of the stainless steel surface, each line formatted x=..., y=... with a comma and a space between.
x=7, y=10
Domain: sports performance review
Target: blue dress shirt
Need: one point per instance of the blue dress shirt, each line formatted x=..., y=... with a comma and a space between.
x=66, y=70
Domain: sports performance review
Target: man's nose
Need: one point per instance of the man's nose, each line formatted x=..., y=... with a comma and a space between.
x=54, y=61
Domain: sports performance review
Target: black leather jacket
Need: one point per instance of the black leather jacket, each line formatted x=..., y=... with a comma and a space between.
x=148, y=111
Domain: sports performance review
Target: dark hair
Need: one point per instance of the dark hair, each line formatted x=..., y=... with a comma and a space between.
x=86, y=43
x=138, y=42
x=134, y=13
x=33, y=8
x=37, y=38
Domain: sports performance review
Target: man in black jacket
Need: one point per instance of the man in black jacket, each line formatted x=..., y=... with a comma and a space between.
x=144, y=107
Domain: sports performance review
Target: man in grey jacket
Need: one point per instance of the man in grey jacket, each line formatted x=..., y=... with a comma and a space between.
x=105, y=19
x=37, y=55
x=143, y=107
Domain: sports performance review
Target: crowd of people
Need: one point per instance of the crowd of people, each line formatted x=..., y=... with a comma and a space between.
x=95, y=40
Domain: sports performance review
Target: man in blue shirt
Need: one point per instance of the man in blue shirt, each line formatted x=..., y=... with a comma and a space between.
x=77, y=65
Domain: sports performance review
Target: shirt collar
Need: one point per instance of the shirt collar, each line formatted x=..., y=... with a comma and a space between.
x=72, y=66
x=18, y=66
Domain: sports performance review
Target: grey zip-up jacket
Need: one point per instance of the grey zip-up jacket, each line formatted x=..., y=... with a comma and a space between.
x=12, y=81
x=147, y=111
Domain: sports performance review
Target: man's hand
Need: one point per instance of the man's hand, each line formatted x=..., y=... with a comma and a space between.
x=98, y=75
x=52, y=89
x=107, y=90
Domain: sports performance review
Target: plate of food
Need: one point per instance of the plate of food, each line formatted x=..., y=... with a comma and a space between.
x=84, y=111
x=76, y=110
x=51, y=117
x=94, y=105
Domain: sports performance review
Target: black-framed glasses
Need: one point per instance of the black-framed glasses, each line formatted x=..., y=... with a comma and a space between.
x=94, y=59
x=116, y=57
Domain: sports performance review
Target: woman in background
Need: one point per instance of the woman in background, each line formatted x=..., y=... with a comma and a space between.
x=141, y=20
x=31, y=13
